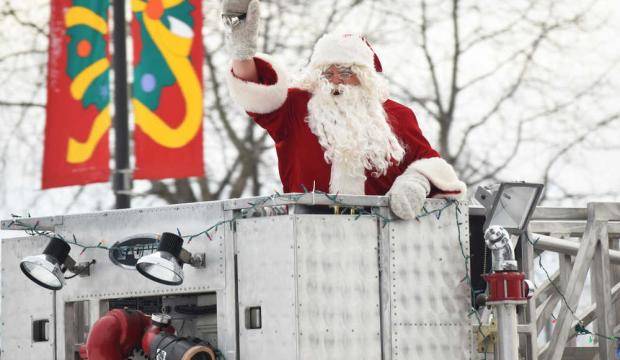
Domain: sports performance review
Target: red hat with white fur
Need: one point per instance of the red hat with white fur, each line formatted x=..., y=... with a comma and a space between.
x=344, y=49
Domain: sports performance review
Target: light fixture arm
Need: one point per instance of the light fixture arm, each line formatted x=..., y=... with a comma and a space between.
x=486, y=195
x=77, y=268
x=82, y=269
x=197, y=260
x=68, y=264
x=498, y=241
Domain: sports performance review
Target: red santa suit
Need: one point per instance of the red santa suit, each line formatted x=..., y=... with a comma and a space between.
x=282, y=111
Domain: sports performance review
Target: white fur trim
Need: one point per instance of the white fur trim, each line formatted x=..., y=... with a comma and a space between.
x=342, y=49
x=442, y=175
x=259, y=98
x=346, y=180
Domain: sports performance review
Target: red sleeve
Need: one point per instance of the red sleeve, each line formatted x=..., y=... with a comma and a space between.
x=421, y=155
x=405, y=125
x=279, y=121
x=417, y=147
x=267, y=99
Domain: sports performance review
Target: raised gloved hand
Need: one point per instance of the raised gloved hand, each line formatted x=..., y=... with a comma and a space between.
x=242, y=35
x=408, y=194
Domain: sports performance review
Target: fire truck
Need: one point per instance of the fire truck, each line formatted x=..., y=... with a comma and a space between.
x=278, y=277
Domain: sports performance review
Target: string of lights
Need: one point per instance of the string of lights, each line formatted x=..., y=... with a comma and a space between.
x=467, y=279
x=580, y=328
x=34, y=230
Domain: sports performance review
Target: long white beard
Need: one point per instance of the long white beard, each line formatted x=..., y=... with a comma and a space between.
x=353, y=130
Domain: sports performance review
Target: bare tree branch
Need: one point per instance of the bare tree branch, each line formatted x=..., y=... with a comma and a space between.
x=184, y=192
x=578, y=140
x=15, y=54
x=219, y=106
x=430, y=63
x=9, y=11
x=492, y=174
x=21, y=104
x=483, y=38
x=74, y=199
x=161, y=190
x=510, y=92
x=422, y=101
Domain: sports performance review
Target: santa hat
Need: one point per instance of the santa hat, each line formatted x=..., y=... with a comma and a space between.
x=344, y=49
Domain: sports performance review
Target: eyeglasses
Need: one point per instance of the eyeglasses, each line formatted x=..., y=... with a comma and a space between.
x=344, y=72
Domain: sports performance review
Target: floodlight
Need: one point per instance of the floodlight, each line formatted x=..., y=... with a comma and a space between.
x=166, y=265
x=48, y=269
x=509, y=205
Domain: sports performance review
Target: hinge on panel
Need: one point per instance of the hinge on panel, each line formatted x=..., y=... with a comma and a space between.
x=486, y=336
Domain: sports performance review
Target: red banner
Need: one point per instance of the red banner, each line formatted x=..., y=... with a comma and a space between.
x=167, y=89
x=76, y=149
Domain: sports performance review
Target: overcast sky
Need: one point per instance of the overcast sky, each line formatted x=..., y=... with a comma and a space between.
x=590, y=168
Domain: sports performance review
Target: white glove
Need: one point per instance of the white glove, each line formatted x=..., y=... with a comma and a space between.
x=241, y=37
x=408, y=194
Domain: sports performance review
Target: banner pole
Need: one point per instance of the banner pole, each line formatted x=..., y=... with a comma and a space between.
x=121, y=181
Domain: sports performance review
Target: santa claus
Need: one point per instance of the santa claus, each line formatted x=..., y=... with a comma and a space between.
x=335, y=130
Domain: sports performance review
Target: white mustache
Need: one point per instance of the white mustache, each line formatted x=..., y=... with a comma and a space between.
x=337, y=89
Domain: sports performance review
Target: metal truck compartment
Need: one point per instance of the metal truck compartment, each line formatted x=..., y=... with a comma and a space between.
x=285, y=284
x=28, y=312
x=315, y=281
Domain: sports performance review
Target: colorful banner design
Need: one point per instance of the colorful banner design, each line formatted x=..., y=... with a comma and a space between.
x=167, y=89
x=76, y=149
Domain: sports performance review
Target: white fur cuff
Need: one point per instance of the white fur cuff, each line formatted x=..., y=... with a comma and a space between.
x=259, y=98
x=442, y=175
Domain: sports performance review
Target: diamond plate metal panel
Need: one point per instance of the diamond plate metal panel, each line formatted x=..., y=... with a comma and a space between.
x=266, y=278
x=430, y=300
x=338, y=287
x=23, y=302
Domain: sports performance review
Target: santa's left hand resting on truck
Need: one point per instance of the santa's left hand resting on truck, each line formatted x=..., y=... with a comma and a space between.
x=335, y=130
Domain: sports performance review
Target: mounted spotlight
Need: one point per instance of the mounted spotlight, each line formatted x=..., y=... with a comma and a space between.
x=48, y=269
x=509, y=205
x=166, y=265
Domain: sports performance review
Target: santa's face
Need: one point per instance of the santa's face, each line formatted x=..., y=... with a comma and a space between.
x=340, y=74
x=351, y=126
